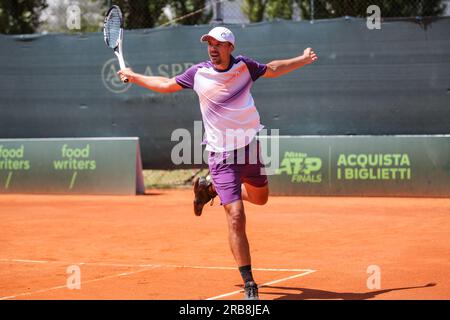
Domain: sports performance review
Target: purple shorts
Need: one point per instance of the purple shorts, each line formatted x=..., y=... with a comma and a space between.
x=232, y=168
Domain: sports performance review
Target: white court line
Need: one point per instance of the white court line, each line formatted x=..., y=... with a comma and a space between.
x=235, y=268
x=303, y=272
x=65, y=286
x=263, y=285
x=106, y=264
x=24, y=261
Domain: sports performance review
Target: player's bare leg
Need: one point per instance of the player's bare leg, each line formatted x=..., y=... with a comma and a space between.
x=255, y=195
x=239, y=246
x=236, y=232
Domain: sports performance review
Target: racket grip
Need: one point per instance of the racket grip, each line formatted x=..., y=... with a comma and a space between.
x=121, y=63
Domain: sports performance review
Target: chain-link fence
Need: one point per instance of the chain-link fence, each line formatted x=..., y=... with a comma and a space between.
x=29, y=16
x=325, y=9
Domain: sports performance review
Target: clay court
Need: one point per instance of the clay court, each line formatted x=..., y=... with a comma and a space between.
x=153, y=247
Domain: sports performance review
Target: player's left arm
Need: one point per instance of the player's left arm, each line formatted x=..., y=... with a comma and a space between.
x=278, y=68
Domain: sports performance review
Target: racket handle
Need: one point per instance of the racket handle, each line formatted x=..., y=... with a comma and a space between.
x=121, y=62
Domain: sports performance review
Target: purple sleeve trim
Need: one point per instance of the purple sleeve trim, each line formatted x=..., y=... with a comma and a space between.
x=255, y=68
x=186, y=79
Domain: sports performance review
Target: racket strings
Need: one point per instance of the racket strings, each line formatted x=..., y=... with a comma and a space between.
x=112, y=29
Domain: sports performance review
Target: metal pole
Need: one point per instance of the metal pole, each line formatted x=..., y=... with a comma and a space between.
x=219, y=18
x=312, y=9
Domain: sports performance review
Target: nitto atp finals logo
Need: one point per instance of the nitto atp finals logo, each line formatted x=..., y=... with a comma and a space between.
x=301, y=167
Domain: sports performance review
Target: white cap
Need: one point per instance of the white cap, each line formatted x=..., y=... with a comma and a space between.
x=221, y=34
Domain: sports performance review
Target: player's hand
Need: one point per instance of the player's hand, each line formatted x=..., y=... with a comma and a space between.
x=126, y=73
x=309, y=55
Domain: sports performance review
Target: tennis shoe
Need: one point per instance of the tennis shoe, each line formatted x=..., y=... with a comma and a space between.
x=251, y=291
x=204, y=192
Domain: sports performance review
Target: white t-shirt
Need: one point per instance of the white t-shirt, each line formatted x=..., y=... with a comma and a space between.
x=229, y=114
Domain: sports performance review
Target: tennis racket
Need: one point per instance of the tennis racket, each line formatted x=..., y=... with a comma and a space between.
x=113, y=33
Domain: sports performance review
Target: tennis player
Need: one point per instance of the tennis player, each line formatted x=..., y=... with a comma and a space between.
x=231, y=123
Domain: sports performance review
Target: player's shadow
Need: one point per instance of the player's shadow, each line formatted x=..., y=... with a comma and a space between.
x=151, y=193
x=307, y=293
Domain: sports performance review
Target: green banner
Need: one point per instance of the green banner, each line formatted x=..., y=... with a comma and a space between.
x=362, y=166
x=71, y=166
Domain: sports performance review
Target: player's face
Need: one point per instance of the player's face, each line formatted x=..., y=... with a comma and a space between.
x=219, y=52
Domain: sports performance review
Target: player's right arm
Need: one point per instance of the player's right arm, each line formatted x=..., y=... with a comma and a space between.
x=158, y=84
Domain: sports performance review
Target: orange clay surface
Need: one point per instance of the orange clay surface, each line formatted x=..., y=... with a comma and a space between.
x=153, y=247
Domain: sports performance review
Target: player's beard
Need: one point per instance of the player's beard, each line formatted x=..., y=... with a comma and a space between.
x=215, y=56
x=216, y=60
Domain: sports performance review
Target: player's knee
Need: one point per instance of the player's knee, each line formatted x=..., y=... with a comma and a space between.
x=237, y=225
x=236, y=221
x=263, y=200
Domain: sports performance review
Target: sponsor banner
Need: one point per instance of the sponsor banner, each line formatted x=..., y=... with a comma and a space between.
x=362, y=166
x=71, y=166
